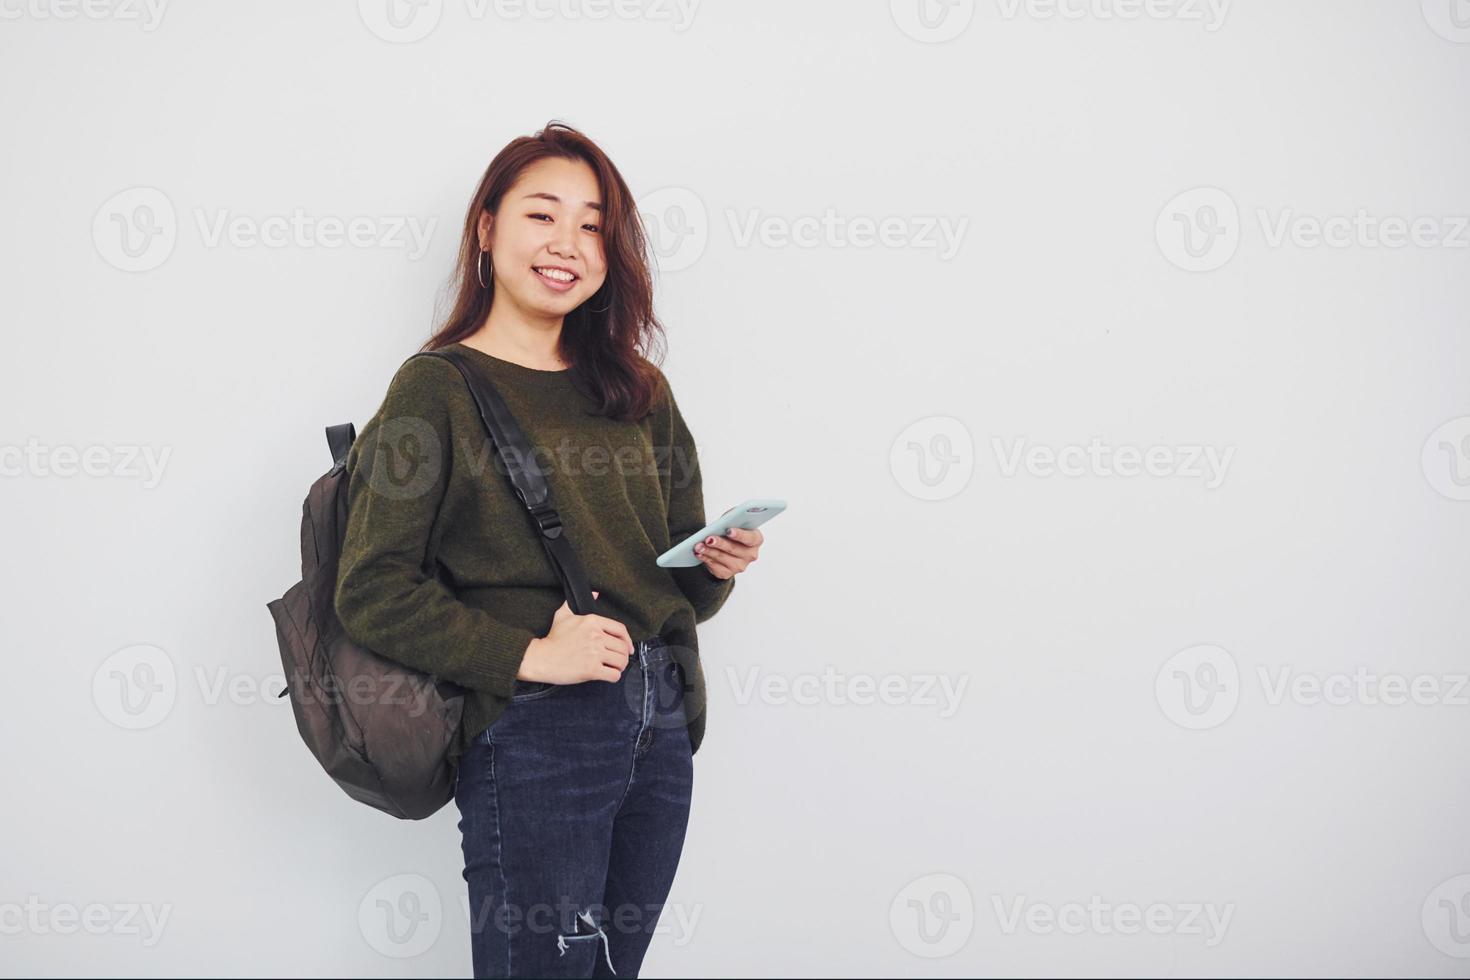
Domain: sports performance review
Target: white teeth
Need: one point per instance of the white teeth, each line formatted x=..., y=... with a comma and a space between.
x=556, y=274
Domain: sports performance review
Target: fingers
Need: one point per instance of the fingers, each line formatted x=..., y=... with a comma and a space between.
x=738, y=543
x=614, y=659
x=721, y=565
x=616, y=629
x=615, y=655
x=729, y=555
x=747, y=536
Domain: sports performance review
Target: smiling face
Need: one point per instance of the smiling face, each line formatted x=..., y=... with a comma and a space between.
x=546, y=240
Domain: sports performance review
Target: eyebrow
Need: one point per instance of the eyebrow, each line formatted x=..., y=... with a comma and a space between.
x=552, y=197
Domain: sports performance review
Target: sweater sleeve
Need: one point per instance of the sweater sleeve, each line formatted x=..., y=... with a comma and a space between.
x=398, y=475
x=685, y=497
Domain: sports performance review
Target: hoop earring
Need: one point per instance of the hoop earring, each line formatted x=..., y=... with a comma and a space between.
x=481, y=272
x=607, y=306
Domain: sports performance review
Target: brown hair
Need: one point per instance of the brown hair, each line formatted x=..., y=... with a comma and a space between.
x=604, y=348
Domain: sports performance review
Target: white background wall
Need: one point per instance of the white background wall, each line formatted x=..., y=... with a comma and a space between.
x=1132, y=193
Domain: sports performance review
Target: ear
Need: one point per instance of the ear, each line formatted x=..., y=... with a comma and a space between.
x=486, y=229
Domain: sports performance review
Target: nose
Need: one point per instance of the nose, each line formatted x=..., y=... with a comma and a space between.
x=563, y=243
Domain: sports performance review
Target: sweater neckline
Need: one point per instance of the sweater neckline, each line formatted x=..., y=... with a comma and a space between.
x=510, y=371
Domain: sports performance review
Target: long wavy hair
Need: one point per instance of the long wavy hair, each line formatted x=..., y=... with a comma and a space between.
x=606, y=340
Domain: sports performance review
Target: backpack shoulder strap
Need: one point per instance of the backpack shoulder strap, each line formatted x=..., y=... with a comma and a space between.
x=340, y=439
x=527, y=480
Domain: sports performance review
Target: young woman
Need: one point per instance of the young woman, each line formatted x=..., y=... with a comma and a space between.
x=575, y=756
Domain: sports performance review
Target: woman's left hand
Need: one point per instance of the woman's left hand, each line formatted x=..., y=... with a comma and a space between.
x=728, y=556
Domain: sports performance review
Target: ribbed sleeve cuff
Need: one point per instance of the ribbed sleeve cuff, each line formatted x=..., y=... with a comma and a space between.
x=497, y=657
x=705, y=591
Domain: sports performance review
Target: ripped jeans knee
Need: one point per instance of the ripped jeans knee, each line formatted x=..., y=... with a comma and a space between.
x=587, y=930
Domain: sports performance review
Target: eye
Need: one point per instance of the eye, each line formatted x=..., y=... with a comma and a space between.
x=594, y=228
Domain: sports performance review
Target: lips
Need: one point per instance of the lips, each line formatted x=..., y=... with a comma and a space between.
x=555, y=273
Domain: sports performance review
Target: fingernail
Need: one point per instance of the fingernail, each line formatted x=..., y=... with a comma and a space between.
x=709, y=540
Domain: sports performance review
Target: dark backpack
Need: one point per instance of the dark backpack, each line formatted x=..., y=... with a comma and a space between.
x=381, y=729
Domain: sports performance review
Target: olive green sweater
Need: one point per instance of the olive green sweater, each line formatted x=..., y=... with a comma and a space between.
x=443, y=570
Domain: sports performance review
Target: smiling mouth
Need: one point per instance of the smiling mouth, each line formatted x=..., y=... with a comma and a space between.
x=557, y=276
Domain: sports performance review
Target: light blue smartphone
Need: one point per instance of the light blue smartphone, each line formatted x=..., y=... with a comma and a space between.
x=751, y=514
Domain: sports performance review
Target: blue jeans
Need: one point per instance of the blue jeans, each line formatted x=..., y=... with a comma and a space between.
x=573, y=808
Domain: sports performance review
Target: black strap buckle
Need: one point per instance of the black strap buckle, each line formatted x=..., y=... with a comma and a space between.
x=548, y=520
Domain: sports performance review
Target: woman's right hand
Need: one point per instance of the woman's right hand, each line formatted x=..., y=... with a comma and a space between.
x=578, y=648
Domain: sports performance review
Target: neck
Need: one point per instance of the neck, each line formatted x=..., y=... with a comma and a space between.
x=524, y=338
